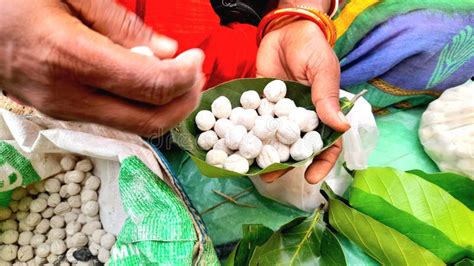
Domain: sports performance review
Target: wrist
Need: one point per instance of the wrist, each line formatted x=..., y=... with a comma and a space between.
x=321, y=5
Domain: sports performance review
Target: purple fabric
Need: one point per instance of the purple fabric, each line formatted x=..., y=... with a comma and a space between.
x=405, y=51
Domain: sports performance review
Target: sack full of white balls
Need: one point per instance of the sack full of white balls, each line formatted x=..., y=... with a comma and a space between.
x=68, y=193
x=254, y=126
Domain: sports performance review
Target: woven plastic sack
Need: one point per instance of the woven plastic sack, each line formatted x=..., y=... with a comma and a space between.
x=150, y=218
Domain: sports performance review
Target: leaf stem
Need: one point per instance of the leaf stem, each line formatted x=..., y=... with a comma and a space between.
x=358, y=95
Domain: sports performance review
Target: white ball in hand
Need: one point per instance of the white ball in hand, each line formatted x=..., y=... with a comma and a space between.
x=247, y=118
x=221, y=107
x=275, y=90
x=205, y=120
x=250, y=146
x=288, y=132
x=301, y=150
x=266, y=107
x=222, y=126
x=216, y=158
x=268, y=156
x=283, y=107
x=237, y=164
x=250, y=100
x=207, y=139
x=315, y=140
x=235, y=136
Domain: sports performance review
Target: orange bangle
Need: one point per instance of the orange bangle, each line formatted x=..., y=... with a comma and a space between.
x=283, y=16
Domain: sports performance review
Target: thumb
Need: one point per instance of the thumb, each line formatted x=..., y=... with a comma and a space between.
x=325, y=94
x=121, y=26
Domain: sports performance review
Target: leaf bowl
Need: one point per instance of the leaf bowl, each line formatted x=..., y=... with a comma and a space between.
x=186, y=133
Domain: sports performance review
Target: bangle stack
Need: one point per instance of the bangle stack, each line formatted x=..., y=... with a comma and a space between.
x=284, y=16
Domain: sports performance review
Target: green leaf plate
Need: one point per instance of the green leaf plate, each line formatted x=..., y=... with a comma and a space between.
x=186, y=133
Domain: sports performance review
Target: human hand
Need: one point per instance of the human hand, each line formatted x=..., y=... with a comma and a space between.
x=71, y=60
x=299, y=51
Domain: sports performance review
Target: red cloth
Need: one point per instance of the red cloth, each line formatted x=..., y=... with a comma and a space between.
x=230, y=50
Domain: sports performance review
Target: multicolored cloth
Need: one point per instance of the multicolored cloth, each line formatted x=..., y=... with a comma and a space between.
x=405, y=52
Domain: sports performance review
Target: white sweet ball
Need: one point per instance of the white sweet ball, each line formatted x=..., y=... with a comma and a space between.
x=312, y=123
x=265, y=127
x=205, y=120
x=237, y=164
x=10, y=237
x=97, y=235
x=58, y=247
x=315, y=140
x=301, y=150
x=216, y=157
x=283, y=107
x=207, y=139
x=220, y=145
x=37, y=240
x=250, y=100
x=52, y=185
x=235, y=136
x=42, y=227
x=25, y=253
x=250, y=146
x=38, y=205
x=275, y=90
x=266, y=107
x=305, y=119
x=75, y=176
x=282, y=149
x=103, y=255
x=84, y=165
x=222, y=126
x=67, y=163
x=8, y=253
x=235, y=114
x=250, y=161
x=33, y=219
x=268, y=156
x=107, y=241
x=288, y=132
x=92, y=182
x=247, y=118
x=90, y=208
x=54, y=199
x=221, y=107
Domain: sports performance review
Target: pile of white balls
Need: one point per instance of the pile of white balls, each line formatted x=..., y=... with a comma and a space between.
x=56, y=221
x=267, y=130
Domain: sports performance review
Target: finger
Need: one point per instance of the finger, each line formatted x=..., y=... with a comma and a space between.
x=92, y=105
x=272, y=176
x=325, y=93
x=323, y=164
x=122, y=26
x=91, y=58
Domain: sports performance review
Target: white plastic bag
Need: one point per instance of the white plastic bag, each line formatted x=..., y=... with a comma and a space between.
x=359, y=142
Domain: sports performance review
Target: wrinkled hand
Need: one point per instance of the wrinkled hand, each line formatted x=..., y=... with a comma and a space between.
x=300, y=52
x=70, y=59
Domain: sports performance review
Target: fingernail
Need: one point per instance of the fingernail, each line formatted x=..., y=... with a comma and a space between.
x=164, y=44
x=343, y=118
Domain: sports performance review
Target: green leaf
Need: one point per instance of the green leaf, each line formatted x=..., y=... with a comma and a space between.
x=303, y=241
x=253, y=235
x=427, y=236
x=423, y=211
x=186, y=133
x=465, y=262
x=384, y=244
x=460, y=187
